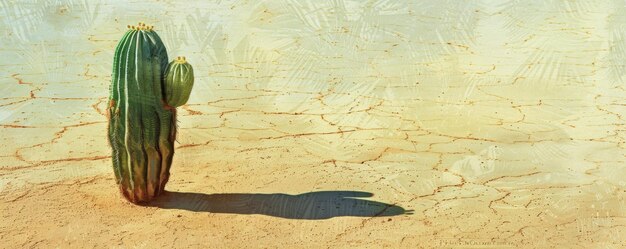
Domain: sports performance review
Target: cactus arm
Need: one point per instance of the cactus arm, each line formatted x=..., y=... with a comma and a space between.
x=178, y=82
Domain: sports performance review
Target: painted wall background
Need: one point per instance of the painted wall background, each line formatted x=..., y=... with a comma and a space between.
x=493, y=122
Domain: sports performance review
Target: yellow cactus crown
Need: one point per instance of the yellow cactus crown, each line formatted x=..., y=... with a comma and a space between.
x=140, y=26
x=181, y=59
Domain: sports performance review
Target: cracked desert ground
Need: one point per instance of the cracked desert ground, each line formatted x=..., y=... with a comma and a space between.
x=326, y=124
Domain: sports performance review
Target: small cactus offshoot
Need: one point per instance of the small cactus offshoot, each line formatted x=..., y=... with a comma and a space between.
x=178, y=82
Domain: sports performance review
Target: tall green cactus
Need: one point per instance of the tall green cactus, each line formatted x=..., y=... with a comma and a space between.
x=142, y=126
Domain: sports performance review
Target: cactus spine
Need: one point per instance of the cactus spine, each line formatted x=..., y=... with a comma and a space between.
x=142, y=127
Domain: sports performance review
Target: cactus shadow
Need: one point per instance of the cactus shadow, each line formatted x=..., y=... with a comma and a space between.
x=310, y=206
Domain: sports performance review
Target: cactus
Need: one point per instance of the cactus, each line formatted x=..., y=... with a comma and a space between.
x=142, y=126
x=178, y=82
